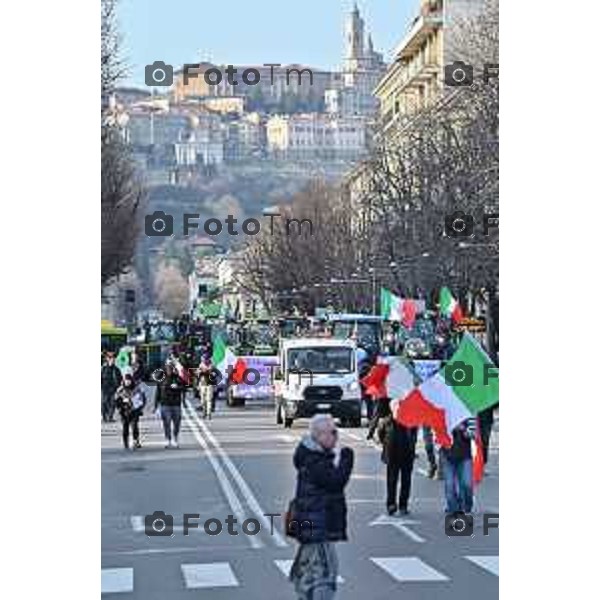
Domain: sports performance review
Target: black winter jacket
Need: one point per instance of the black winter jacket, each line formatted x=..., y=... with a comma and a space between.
x=320, y=492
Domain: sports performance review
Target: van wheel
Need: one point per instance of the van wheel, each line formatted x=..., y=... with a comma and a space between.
x=288, y=423
x=355, y=422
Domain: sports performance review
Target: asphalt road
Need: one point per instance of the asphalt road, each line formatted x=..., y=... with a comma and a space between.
x=240, y=464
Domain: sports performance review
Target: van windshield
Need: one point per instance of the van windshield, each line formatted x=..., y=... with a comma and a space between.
x=321, y=360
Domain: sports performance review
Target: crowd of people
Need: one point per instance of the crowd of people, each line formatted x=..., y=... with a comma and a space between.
x=323, y=466
x=125, y=391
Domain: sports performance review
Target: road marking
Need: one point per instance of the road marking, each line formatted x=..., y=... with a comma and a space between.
x=243, y=486
x=209, y=575
x=117, y=580
x=285, y=567
x=283, y=437
x=226, y=486
x=400, y=525
x=489, y=563
x=354, y=436
x=408, y=568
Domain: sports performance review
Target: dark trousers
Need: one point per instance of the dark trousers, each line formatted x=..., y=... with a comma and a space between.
x=108, y=404
x=486, y=430
x=130, y=421
x=394, y=469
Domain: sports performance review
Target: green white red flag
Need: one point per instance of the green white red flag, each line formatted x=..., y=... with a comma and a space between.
x=449, y=306
x=391, y=305
x=467, y=385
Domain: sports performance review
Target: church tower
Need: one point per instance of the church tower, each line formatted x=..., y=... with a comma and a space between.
x=354, y=32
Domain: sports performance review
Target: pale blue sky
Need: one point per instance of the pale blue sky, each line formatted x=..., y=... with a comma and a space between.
x=252, y=31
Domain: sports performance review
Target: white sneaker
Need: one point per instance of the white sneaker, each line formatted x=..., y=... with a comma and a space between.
x=169, y=444
x=175, y=443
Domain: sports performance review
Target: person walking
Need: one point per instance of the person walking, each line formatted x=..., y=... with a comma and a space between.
x=110, y=380
x=319, y=510
x=137, y=366
x=458, y=469
x=168, y=399
x=398, y=454
x=130, y=401
x=206, y=375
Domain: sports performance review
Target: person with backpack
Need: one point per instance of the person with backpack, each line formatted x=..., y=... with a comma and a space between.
x=130, y=401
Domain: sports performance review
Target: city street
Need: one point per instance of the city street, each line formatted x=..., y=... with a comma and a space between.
x=240, y=463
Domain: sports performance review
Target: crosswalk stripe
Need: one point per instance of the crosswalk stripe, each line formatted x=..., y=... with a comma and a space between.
x=209, y=575
x=117, y=580
x=489, y=563
x=285, y=567
x=408, y=568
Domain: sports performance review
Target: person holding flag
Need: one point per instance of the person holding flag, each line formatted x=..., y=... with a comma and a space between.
x=457, y=467
x=449, y=402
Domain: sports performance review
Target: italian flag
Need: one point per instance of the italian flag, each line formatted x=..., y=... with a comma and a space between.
x=222, y=356
x=375, y=381
x=467, y=385
x=391, y=305
x=388, y=378
x=449, y=306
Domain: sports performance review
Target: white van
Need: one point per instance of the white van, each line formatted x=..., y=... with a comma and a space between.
x=317, y=375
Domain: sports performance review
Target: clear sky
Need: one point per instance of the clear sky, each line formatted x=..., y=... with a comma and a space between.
x=252, y=31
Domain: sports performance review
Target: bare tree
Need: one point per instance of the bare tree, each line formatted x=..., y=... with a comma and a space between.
x=171, y=291
x=122, y=193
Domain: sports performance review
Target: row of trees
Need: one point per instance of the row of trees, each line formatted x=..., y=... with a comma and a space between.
x=393, y=232
x=122, y=194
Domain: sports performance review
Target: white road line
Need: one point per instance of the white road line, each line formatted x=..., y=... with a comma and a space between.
x=226, y=486
x=209, y=575
x=400, y=525
x=283, y=437
x=489, y=563
x=408, y=568
x=246, y=491
x=354, y=436
x=117, y=580
x=286, y=565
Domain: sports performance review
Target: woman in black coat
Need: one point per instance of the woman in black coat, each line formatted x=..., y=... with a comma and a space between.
x=319, y=508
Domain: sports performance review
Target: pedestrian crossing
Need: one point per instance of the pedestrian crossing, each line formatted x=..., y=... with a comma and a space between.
x=213, y=575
